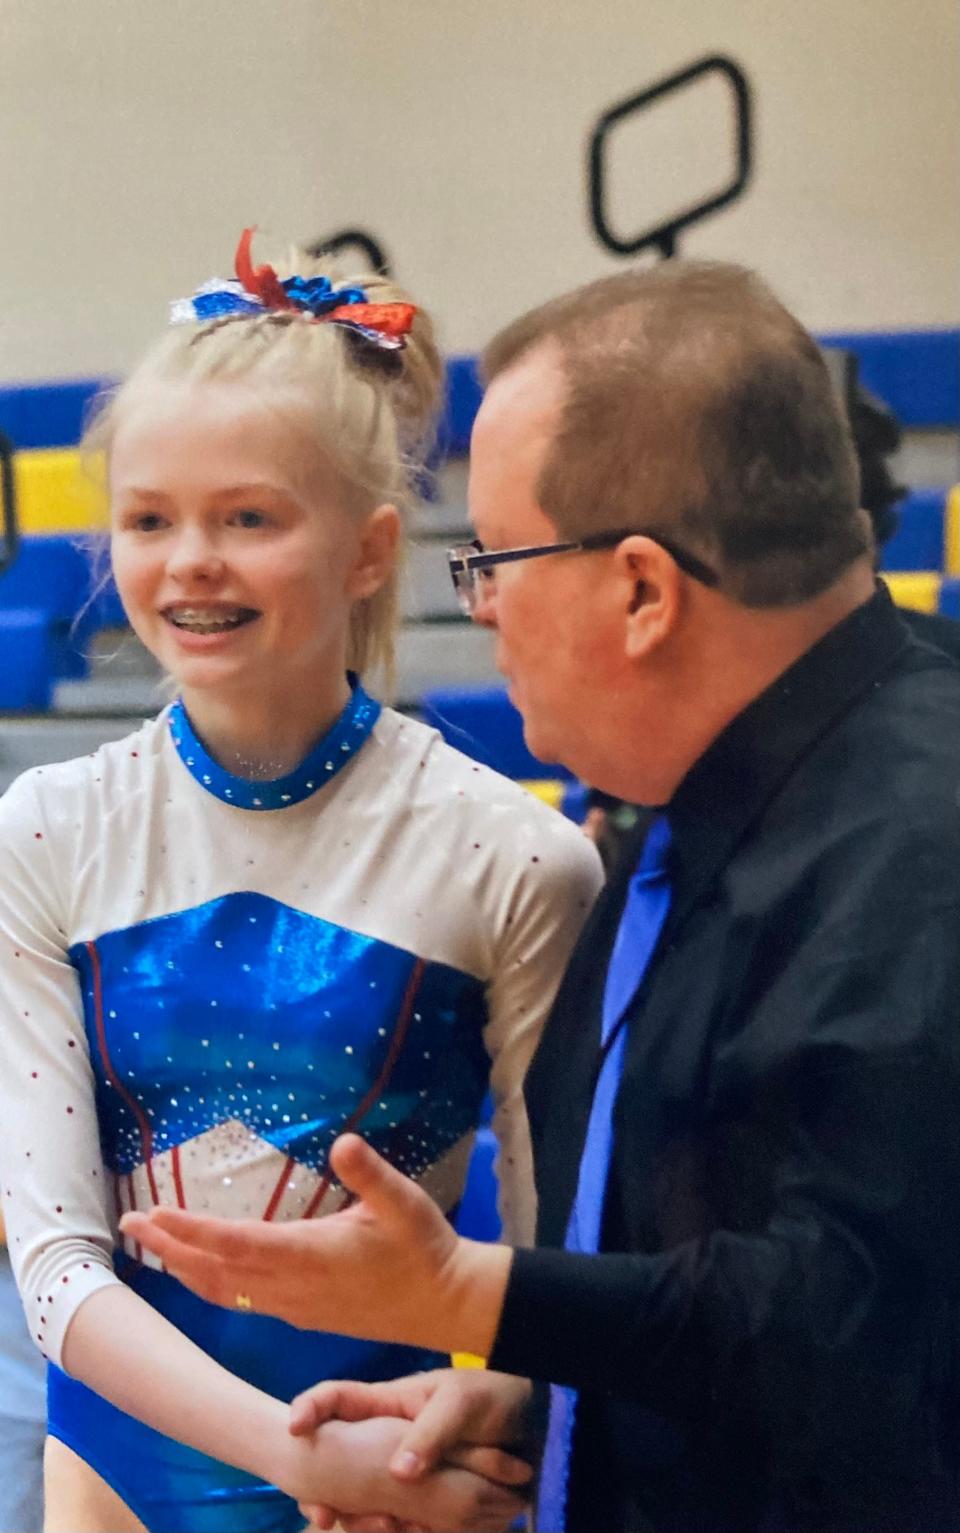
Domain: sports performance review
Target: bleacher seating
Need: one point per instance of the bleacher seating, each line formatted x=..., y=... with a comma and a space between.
x=47, y=618
x=481, y=723
x=950, y=597
x=918, y=543
x=52, y=601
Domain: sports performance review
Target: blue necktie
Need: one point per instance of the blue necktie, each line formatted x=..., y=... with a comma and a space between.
x=644, y=912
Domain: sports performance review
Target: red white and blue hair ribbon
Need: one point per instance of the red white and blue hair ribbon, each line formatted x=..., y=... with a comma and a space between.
x=258, y=290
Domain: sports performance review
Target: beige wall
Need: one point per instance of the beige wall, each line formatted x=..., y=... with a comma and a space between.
x=138, y=136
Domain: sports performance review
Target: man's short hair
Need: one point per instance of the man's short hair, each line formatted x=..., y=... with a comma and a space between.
x=697, y=406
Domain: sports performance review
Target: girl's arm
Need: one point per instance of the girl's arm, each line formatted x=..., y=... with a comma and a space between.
x=61, y=1229
x=119, y=1346
x=136, y=1359
x=60, y=1224
x=555, y=877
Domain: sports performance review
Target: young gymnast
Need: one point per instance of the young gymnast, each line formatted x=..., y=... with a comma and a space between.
x=277, y=911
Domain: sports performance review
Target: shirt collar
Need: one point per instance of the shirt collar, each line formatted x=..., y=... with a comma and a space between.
x=730, y=784
x=338, y=746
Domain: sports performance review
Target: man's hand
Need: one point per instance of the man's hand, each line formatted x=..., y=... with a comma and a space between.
x=390, y=1268
x=449, y=1409
x=452, y=1497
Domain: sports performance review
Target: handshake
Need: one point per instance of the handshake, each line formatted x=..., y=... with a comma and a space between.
x=421, y=1453
x=429, y=1451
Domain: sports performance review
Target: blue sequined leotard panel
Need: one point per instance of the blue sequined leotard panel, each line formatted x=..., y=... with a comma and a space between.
x=271, y=1030
x=246, y=1011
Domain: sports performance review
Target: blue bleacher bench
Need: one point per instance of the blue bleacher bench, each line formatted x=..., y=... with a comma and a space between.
x=47, y=617
x=51, y=604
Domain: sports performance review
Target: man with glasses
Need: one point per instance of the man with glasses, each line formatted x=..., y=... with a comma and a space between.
x=741, y=1312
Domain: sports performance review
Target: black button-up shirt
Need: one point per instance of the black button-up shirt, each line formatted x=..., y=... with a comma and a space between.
x=769, y=1340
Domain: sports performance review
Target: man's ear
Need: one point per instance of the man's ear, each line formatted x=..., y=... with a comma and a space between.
x=376, y=552
x=651, y=586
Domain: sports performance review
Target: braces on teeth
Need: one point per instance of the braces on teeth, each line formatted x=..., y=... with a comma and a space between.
x=193, y=617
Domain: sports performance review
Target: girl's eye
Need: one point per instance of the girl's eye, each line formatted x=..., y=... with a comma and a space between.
x=249, y=518
x=146, y=521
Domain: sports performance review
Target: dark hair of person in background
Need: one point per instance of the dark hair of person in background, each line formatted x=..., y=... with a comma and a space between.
x=877, y=435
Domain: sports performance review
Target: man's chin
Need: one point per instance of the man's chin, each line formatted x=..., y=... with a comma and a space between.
x=536, y=737
x=539, y=743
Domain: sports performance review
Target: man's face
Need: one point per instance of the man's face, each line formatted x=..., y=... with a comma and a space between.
x=557, y=639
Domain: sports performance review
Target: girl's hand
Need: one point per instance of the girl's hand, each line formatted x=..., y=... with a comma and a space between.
x=451, y=1497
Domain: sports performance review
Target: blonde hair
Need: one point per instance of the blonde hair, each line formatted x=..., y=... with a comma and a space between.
x=372, y=412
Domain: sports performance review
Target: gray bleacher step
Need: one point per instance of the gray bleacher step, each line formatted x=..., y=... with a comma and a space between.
x=927, y=458
x=436, y=647
x=446, y=513
x=36, y=741
x=438, y=654
x=429, y=654
x=124, y=680
x=426, y=590
x=109, y=696
x=108, y=706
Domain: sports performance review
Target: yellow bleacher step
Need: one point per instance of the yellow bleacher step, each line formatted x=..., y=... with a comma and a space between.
x=951, y=533
x=548, y=789
x=918, y=589
x=56, y=492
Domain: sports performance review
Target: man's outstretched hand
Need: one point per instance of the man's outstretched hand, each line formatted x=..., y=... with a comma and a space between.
x=389, y=1268
x=457, y=1417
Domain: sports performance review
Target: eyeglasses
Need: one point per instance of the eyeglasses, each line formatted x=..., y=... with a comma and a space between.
x=472, y=568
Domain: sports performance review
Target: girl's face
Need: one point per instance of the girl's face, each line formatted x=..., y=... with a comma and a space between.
x=234, y=556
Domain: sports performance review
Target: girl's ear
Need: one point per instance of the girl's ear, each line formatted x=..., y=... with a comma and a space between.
x=376, y=552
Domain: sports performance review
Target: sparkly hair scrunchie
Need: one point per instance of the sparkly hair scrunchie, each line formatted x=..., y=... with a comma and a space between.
x=258, y=290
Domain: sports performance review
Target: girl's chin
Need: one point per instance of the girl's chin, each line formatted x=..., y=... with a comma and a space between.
x=214, y=674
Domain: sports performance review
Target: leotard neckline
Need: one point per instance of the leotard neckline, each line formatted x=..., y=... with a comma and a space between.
x=338, y=746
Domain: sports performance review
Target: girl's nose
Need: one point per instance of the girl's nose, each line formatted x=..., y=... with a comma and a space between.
x=194, y=556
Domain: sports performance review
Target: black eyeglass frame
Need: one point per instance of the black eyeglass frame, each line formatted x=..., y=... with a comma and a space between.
x=462, y=563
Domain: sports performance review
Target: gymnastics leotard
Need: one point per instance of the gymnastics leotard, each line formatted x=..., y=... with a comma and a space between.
x=205, y=979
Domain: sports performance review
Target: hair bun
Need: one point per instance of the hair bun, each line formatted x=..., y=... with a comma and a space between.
x=413, y=372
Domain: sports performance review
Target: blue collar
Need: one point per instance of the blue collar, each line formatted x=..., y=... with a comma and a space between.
x=338, y=746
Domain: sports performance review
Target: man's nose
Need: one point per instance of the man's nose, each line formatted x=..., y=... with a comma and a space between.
x=484, y=613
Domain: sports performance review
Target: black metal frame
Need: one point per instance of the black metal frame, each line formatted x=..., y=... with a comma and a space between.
x=343, y=239
x=10, y=530
x=664, y=236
